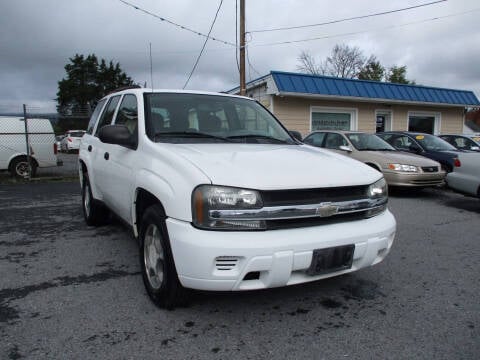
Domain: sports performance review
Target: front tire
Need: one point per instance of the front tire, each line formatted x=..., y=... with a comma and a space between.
x=156, y=261
x=94, y=212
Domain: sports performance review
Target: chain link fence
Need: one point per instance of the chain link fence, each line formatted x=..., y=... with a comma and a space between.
x=31, y=144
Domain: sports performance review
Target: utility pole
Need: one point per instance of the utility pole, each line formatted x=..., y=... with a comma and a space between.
x=243, y=89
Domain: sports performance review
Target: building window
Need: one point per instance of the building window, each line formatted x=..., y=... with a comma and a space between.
x=383, y=120
x=424, y=122
x=333, y=119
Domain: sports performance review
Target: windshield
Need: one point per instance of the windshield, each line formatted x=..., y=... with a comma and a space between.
x=433, y=143
x=368, y=142
x=194, y=118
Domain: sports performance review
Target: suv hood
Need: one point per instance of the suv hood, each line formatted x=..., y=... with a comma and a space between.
x=270, y=167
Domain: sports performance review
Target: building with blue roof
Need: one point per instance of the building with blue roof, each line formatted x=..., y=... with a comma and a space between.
x=306, y=103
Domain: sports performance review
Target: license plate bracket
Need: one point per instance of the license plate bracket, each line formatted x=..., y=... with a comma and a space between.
x=331, y=259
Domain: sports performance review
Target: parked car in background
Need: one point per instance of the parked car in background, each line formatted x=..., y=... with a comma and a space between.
x=72, y=139
x=466, y=179
x=222, y=197
x=13, y=145
x=398, y=168
x=463, y=142
x=426, y=145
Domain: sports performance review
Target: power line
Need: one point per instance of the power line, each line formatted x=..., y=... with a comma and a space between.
x=204, y=44
x=347, y=19
x=175, y=24
x=250, y=66
x=365, y=31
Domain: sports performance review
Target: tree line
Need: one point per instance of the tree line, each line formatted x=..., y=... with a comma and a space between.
x=88, y=79
x=351, y=63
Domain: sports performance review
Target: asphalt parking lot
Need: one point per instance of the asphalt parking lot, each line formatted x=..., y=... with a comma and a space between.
x=69, y=291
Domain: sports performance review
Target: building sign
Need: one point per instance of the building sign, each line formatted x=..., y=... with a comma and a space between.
x=330, y=121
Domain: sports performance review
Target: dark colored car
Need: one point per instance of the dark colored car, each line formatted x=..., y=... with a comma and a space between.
x=463, y=142
x=426, y=145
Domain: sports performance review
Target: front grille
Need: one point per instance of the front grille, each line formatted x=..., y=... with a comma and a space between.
x=313, y=221
x=313, y=196
x=430, y=169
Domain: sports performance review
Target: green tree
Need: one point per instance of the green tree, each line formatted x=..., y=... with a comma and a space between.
x=87, y=81
x=398, y=75
x=372, y=70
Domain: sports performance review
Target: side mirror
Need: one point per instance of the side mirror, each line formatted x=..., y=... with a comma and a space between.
x=475, y=148
x=345, y=148
x=117, y=135
x=296, y=134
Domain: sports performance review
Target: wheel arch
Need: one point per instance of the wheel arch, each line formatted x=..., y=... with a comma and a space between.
x=143, y=200
x=21, y=156
x=83, y=170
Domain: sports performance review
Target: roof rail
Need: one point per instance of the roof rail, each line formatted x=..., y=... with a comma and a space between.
x=125, y=88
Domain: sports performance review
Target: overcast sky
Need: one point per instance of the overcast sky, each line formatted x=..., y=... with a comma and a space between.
x=37, y=38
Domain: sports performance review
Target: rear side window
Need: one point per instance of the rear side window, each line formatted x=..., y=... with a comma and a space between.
x=107, y=115
x=94, y=117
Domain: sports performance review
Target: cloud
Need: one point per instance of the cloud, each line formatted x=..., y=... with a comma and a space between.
x=38, y=38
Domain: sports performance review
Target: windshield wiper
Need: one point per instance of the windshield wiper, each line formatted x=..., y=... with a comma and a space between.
x=190, y=134
x=261, y=137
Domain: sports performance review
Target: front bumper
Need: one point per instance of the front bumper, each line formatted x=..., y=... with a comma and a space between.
x=219, y=260
x=414, y=179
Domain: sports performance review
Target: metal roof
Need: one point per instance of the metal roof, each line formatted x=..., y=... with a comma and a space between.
x=295, y=83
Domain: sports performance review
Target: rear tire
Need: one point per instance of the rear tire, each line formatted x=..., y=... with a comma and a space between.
x=156, y=261
x=20, y=167
x=94, y=212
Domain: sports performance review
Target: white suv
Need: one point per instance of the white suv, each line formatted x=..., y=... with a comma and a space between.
x=221, y=197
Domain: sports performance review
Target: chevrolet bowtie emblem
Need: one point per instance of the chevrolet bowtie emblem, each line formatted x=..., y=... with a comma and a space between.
x=326, y=210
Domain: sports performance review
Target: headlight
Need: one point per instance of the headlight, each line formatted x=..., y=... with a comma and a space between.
x=378, y=192
x=206, y=199
x=402, y=167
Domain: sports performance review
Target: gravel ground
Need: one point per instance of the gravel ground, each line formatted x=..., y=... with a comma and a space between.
x=69, y=291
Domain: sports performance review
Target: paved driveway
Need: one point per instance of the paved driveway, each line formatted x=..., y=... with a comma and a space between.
x=69, y=291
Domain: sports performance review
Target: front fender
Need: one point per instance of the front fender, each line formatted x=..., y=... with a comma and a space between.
x=172, y=190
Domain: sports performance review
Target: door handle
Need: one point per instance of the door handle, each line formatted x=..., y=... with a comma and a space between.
x=106, y=156
x=89, y=148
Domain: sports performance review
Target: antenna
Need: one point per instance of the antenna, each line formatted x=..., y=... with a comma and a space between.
x=151, y=66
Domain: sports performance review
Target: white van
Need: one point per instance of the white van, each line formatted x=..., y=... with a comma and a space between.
x=13, y=145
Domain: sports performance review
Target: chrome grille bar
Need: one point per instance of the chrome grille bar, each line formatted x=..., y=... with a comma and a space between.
x=324, y=209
